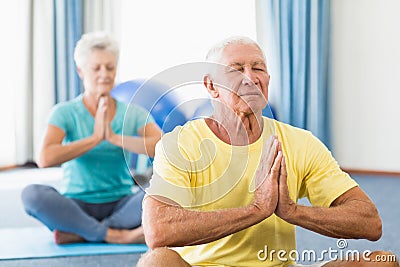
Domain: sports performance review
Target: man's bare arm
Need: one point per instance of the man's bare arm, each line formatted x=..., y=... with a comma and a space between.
x=351, y=215
x=173, y=226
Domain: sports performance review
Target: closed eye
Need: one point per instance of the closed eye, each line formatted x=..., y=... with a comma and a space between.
x=259, y=69
x=236, y=69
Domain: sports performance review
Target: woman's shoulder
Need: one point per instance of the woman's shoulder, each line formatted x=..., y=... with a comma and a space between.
x=67, y=109
x=72, y=104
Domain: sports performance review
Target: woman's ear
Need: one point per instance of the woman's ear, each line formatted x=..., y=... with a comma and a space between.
x=208, y=83
x=80, y=73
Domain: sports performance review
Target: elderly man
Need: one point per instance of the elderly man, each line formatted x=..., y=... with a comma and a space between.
x=226, y=187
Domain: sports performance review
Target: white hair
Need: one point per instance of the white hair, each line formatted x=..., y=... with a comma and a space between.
x=92, y=41
x=215, y=53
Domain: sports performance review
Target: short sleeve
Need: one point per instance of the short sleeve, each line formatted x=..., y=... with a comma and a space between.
x=324, y=180
x=136, y=118
x=59, y=117
x=171, y=174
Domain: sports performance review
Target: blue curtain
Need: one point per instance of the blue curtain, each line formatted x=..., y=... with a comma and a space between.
x=301, y=29
x=67, y=31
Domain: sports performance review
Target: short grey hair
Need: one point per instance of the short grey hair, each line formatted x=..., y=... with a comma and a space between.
x=92, y=41
x=215, y=53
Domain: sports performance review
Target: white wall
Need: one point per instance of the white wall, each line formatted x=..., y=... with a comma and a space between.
x=366, y=84
x=159, y=35
x=8, y=70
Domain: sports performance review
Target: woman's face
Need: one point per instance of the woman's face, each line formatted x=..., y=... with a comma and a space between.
x=98, y=74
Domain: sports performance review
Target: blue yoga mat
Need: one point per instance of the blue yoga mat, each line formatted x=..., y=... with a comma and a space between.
x=37, y=242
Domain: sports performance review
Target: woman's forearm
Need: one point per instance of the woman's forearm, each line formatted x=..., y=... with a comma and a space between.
x=138, y=145
x=55, y=154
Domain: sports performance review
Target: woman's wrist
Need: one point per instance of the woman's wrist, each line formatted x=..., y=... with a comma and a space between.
x=115, y=139
x=95, y=139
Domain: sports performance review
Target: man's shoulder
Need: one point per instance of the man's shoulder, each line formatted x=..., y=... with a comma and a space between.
x=183, y=136
x=190, y=127
x=287, y=129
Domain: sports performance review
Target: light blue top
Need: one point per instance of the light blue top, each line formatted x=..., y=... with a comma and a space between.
x=101, y=174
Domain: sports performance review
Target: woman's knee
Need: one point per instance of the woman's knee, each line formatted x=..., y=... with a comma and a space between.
x=33, y=196
x=162, y=257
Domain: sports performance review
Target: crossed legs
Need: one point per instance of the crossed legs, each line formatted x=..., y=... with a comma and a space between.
x=77, y=221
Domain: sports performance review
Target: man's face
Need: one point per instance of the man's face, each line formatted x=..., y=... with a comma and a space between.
x=242, y=82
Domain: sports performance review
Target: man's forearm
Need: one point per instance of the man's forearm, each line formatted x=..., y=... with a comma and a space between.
x=168, y=225
x=354, y=219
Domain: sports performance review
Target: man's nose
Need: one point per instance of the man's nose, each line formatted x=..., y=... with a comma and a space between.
x=249, y=76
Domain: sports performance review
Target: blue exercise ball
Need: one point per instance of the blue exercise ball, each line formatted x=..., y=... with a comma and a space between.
x=268, y=111
x=154, y=97
x=204, y=110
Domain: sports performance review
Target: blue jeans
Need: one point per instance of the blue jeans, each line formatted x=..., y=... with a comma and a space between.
x=87, y=220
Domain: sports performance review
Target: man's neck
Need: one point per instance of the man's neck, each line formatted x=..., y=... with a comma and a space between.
x=239, y=130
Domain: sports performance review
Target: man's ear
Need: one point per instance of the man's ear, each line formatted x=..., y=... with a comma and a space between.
x=208, y=83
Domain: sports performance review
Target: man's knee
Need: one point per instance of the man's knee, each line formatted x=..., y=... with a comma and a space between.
x=162, y=257
x=383, y=258
x=374, y=259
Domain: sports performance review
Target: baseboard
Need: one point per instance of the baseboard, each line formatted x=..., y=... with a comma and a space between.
x=29, y=164
x=372, y=172
x=10, y=167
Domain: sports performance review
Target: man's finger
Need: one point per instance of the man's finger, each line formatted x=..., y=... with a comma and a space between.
x=267, y=158
x=275, y=170
x=272, y=152
x=283, y=173
x=268, y=145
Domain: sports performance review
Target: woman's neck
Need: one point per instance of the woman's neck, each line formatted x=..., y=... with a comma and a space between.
x=91, y=103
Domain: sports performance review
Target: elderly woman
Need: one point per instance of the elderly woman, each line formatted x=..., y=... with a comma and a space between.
x=96, y=203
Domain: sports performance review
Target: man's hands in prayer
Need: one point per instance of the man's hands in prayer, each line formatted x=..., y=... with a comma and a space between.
x=272, y=193
x=286, y=206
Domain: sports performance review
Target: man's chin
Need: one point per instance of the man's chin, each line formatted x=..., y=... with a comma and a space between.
x=252, y=109
x=248, y=112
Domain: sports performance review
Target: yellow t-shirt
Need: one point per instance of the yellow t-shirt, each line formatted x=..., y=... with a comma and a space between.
x=199, y=171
